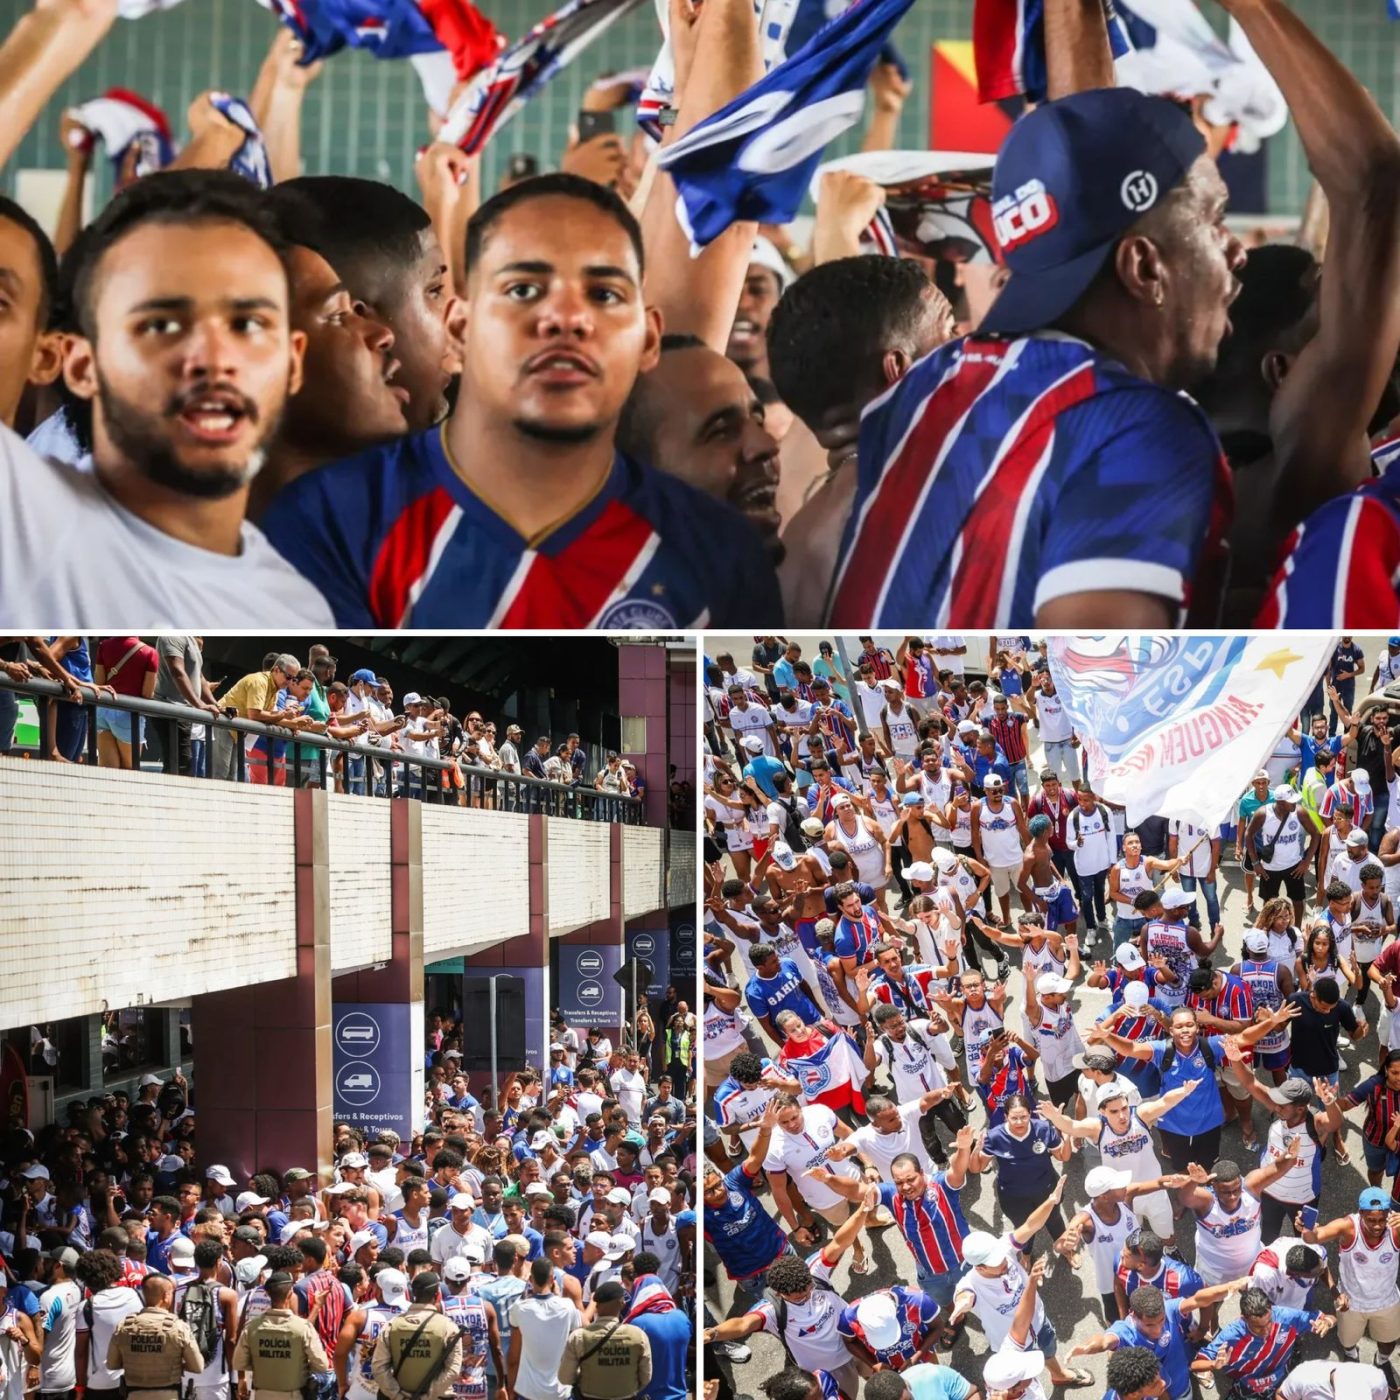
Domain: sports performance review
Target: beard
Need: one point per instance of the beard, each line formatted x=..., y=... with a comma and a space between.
x=545, y=432
x=141, y=437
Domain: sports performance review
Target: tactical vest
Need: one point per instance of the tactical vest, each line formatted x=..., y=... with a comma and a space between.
x=278, y=1352
x=417, y=1364
x=152, y=1347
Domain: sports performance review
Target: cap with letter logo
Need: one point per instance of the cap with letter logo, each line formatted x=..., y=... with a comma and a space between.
x=1071, y=179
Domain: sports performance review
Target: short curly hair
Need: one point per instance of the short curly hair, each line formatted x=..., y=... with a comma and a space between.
x=1130, y=1369
x=789, y=1275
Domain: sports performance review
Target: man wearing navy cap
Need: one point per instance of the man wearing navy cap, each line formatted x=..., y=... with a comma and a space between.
x=1073, y=483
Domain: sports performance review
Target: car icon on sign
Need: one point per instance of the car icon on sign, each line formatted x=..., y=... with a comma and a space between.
x=357, y=1081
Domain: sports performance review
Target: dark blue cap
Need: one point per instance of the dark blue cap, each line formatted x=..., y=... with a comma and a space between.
x=1071, y=179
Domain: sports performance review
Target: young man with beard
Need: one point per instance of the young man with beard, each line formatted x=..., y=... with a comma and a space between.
x=180, y=381
x=30, y=351
x=519, y=511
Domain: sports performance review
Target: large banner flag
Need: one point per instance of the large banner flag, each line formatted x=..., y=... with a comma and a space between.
x=1176, y=726
x=754, y=158
x=498, y=92
x=1008, y=37
x=838, y=1062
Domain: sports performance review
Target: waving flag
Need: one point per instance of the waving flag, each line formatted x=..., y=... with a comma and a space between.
x=250, y=159
x=498, y=92
x=1008, y=38
x=123, y=120
x=754, y=158
x=838, y=1062
x=1176, y=726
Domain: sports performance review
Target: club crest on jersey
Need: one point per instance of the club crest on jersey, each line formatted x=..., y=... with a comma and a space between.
x=1026, y=214
x=636, y=614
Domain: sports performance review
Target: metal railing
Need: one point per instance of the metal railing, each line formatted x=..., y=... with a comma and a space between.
x=343, y=765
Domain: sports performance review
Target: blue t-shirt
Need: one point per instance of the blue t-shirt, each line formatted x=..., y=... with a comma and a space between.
x=1169, y=1348
x=769, y=995
x=393, y=537
x=1309, y=750
x=1024, y=1166
x=928, y=1381
x=746, y=1238
x=158, y=1250
x=560, y=1074
x=670, y=1335
x=916, y=1314
x=762, y=768
x=1202, y=1111
x=783, y=675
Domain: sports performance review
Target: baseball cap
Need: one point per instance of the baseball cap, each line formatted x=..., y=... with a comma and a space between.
x=295, y=1174
x=462, y=1201
x=68, y=1256
x=457, y=1268
x=1373, y=1198
x=1284, y=793
x=599, y=1239
x=38, y=1171
x=620, y=1197
x=753, y=743
x=354, y=1159
x=171, y=1163
x=1136, y=994
x=659, y=1195
x=249, y=1198
x=911, y=799
x=610, y=1292
x=1071, y=178
x=1291, y=1091
x=842, y=799
x=248, y=1270
x=538, y=1188
x=944, y=860
x=920, y=870
x=245, y=1234
x=1177, y=899
x=1361, y=780
x=1356, y=837
x=813, y=826
x=1049, y=983
x=783, y=857
x=889, y=683
x=967, y=726
x=1105, y=1061
x=765, y=254
x=1128, y=958
x=980, y=1247
x=540, y=1140
x=364, y=674
x=413, y=698
x=879, y=1321
x=340, y=1188
x=556, y=1045
x=618, y=1245
x=393, y=1285
x=1256, y=940
x=993, y=782
x=361, y=1238
x=181, y=1250
x=1102, y=1179
x=220, y=1174
x=1008, y=1368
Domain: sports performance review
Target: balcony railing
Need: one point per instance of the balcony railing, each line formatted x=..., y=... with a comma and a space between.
x=356, y=767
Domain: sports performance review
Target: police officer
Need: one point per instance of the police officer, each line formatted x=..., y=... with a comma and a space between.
x=280, y=1349
x=418, y=1356
x=608, y=1359
x=153, y=1347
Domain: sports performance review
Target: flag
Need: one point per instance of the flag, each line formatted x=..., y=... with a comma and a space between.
x=1008, y=37
x=649, y=1295
x=958, y=119
x=838, y=1062
x=754, y=158
x=121, y=120
x=1177, y=725
x=498, y=92
x=250, y=160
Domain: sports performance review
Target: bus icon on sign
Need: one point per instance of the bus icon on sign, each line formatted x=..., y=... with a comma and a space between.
x=643, y=945
x=589, y=963
x=357, y=1033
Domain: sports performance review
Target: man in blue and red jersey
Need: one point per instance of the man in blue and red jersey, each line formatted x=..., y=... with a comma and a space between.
x=743, y=1234
x=1254, y=1351
x=519, y=511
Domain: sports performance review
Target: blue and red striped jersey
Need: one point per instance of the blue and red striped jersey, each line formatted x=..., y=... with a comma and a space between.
x=915, y=1312
x=1257, y=1364
x=395, y=538
x=1001, y=474
x=932, y=1225
x=1341, y=566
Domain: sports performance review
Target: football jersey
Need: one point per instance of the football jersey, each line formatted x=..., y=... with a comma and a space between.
x=395, y=538
x=1343, y=562
x=998, y=475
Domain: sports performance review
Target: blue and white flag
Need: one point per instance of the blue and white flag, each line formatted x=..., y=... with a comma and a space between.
x=838, y=1062
x=1178, y=725
x=754, y=158
x=1008, y=47
x=250, y=159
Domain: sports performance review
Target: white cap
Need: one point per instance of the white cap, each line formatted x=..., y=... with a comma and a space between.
x=250, y=1198
x=1361, y=780
x=1102, y=1179
x=993, y=781
x=813, y=826
x=766, y=254
x=1136, y=994
x=619, y=1196
x=1177, y=899
x=1128, y=958
x=392, y=1285
x=920, y=870
x=538, y=1188
x=341, y=1187
x=361, y=1238
x=879, y=1320
x=457, y=1268
x=413, y=698
x=842, y=799
x=753, y=743
x=980, y=1247
x=659, y=1196
x=171, y=1163
x=1008, y=1368
x=291, y=1229
x=474, y=1252
x=540, y=1140
x=1049, y=983
x=39, y=1172
x=945, y=860
x=182, y=1248
x=599, y=1239
x=618, y=1245
x=250, y=1270
x=889, y=683
x=463, y=1200
x=148, y=1079
x=1256, y=940
x=1284, y=793
x=783, y=857
x=354, y=1159
x=220, y=1174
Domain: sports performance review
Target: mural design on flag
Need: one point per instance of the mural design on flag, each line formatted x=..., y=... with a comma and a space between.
x=1177, y=725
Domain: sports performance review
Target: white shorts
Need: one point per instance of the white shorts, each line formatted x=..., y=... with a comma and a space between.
x=1156, y=1210
x=1004, y=878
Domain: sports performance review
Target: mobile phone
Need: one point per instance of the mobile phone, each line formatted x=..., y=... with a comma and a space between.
x=523, y=166
x=591, y=124
x=1309, y=1217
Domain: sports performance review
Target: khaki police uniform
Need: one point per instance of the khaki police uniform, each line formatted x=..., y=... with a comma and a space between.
x=280, y=1351
x=156, y=1351
x=400, y=1348
x=618, y=1369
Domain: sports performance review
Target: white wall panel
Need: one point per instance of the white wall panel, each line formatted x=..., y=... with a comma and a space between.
x=476, y=879
x=642, y=870
x=577, y=873
x=360, y=898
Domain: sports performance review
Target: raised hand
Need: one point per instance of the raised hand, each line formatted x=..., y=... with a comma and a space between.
x=1324, y=1324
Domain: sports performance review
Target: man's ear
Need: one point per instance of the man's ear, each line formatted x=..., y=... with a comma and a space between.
x=80, y=366
x=46, y=363
x=1274, y=367
x=894, y=365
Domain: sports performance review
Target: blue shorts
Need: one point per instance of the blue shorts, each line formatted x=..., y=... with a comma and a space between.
x=117, y=723
x=1062, y=909
x=1380, y=1159
x=1273, y=1059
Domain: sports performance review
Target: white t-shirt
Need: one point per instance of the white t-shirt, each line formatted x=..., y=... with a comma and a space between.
x=995, y=1299
x=916, y=1069
x=108, y=1308
x=880, y=1149
x=753, y=719
x=1321, y=1380
x=57, y=1323
x=811, y=1326
x=795, y=1153
x=630, y=1087
x=1196, y=856
x=114, y=572
x=544, y=1323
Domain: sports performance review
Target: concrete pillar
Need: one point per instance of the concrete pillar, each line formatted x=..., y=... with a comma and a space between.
x=398, y=982
x=263, y=1053
x=642, y=693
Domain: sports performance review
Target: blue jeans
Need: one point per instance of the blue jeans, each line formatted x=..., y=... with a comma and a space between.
x=1059, y=755
x=70, y=735
x=1091, y=897
x=9, y=717
x=1020, y=780
x=197, y=752
x=1207, y=887
x=942, y=1287
x=1125, y=930
x=1294, y=1073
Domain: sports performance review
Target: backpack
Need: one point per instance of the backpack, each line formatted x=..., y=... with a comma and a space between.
x=1169, y=1056
x=780, y=1313
x=199, y=1311
x=792, y=826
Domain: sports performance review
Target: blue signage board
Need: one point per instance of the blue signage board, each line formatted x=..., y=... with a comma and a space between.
x=588, y=996
x=372, y=1065
x=654, y=945
x=683, y=951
